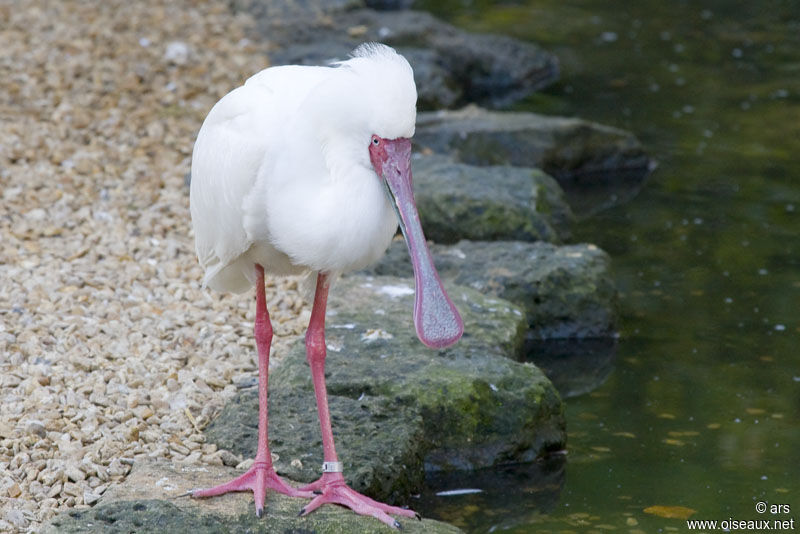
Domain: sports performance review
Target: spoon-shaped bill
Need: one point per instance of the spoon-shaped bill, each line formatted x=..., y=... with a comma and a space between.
x=436, y=319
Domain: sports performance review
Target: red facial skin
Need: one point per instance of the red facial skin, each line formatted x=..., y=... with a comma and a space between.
x=377, y=153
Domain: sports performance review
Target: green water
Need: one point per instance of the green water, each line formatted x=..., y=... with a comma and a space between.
x=701, y=408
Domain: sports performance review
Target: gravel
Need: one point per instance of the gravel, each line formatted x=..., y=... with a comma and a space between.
x=110, y=349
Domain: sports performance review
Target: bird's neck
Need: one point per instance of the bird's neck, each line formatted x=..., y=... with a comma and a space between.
x=344, y=158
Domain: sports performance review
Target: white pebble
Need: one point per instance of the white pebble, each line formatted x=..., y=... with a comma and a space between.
x=177, y=52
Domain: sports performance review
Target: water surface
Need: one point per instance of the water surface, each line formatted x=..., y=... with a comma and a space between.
x=701, y=408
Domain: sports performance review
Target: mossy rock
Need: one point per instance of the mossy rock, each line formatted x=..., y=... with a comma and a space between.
x=370, y=454
x=398, y=408
x=565, y=291
x=458, y=201
x=148, y=502
x=569, y=149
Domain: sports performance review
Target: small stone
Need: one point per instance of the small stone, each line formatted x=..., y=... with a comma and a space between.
x=90, y=497
x=102, y=474
x=212, y=459
x=84, y=165
x=14, y=490
x=84, y=364
x=193, y=458
x=143, y=412
x=36, y=214
x=48, y=477
x=245, y=464
x=177, y=52
x=55, y=490
x=132, y=434
x=5, y=429
x=32, y=472
x=172, y=385
x=73, y=489
x=228, y=458
x=74, y=474
x=180, y=449
x=116, y=468
x=48, y=503
x=37, y=428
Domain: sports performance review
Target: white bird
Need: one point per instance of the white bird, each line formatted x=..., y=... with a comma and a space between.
x=308, y=170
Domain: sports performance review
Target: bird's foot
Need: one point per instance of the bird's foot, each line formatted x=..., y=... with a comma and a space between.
x=331, y=488
x=257, y=479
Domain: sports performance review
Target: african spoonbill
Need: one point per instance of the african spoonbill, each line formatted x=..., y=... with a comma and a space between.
x=308, y=170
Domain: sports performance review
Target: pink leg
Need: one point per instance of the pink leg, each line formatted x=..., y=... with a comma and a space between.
x=261, y=475
x=331, y=487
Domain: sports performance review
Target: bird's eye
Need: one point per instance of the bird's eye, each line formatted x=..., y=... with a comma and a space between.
x=376, y=140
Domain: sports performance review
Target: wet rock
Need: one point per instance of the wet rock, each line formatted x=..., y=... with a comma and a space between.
x=561, y=146
x=458, y=201
x=146, y=503
x=436, y=86
x=386, y=5
x=398, y=408
x=151, y=515
x=591, y=161
x=575, y=366
x=566, y=292
x=478, y=406
x=452, y=67
x=493, y=70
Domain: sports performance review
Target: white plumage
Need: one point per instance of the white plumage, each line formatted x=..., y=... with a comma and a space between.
x=281, y=175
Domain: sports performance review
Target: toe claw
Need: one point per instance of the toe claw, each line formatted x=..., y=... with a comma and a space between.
x=259, y=512
x=397, y=525
x=301, y=512
x=419, y=517
x=317, y=492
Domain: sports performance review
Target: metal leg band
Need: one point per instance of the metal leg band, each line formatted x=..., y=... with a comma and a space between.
x=332, y=467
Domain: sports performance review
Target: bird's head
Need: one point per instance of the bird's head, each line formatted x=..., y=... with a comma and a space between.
x=387, y=113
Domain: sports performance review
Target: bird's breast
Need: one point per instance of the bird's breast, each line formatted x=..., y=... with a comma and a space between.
x=335, y=225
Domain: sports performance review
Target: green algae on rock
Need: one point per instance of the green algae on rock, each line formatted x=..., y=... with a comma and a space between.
x=370, y=455
x=565, y=291
x=458, y=201
x=149, y=502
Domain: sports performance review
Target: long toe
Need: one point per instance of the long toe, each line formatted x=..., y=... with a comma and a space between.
x=394, y=510
x=257, y=479
x=360, y=504
x=243, y=482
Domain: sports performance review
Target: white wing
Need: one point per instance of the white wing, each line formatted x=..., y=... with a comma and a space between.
x=230, y=148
